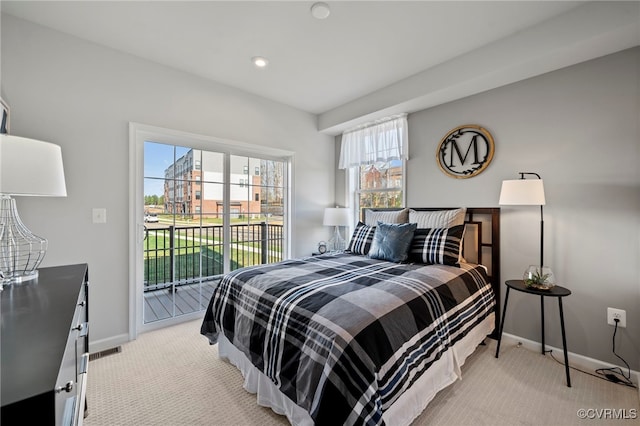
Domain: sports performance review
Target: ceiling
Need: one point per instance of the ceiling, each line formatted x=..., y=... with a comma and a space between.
x=318, y=66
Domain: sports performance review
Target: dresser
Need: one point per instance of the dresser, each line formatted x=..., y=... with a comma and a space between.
x=45, y=348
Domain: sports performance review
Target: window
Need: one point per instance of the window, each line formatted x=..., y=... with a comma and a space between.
x=375, y=156
x=198, y=195
x=257, y=171
x=245, y=170
x=380, y=185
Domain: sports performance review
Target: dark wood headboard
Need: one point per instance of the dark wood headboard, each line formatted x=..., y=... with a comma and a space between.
x=481, y=243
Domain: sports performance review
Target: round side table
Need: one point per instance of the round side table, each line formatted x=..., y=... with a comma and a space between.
x=557, y=292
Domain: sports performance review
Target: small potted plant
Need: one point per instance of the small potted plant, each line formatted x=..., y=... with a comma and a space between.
x=540, y=277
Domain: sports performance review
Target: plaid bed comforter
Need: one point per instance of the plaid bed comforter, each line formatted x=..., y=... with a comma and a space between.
x=343, y=335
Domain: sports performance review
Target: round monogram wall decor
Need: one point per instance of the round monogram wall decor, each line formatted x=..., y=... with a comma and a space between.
x=465, y=151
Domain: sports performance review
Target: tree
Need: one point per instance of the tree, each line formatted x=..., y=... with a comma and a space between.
x=153, y=200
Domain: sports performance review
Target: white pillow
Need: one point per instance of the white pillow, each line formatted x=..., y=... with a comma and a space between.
x=372, y=218
x=438, y=218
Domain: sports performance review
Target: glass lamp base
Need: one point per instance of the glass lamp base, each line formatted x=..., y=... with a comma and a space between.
x=19, y=279
x=336, y=242
x=21, y=251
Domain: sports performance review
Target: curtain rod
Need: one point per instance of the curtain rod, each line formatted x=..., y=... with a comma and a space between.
x=375, y=123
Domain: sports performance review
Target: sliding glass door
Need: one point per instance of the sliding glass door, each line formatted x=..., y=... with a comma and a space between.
x=205, y=212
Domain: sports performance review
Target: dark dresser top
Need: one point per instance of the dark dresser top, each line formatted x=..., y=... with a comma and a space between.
x=36, y=321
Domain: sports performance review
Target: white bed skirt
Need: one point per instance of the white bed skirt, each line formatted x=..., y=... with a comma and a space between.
x=407, y=407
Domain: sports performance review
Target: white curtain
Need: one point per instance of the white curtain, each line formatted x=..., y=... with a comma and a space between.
x=381, y=141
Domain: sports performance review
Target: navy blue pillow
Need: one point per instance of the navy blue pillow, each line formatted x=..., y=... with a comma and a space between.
x=391, y=241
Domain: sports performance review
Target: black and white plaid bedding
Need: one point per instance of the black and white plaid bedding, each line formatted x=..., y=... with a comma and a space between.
x=343, y=335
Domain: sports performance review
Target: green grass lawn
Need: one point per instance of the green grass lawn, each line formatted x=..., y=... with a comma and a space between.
x=187, y=257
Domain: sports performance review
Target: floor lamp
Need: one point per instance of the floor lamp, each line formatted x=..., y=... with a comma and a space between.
x=337, y=217
x=28, y=167
x=526, y=192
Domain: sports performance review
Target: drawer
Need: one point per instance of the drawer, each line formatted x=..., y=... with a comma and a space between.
x=81, y=312
x=74, y=408
x=66, y=387
x=73, y=367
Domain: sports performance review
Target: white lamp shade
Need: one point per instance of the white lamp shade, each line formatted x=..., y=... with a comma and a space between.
x=523, y=192
x=30, y=167
x=336, y=217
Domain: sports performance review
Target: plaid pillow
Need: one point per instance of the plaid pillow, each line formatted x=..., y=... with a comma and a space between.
x=361, y=239
x=436, y=245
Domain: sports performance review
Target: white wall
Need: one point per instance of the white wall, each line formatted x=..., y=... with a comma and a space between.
x=82, y=96
x=579, y=128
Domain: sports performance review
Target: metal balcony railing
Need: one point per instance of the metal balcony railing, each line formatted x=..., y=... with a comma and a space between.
x=178, y=255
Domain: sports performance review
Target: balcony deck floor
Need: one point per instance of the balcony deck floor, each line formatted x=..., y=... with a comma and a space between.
x=159, y=304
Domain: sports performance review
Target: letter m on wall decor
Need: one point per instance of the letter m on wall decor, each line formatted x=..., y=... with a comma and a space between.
x=465, y=151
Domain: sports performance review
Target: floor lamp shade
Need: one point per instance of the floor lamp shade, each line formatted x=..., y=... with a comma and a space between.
x=28, y=167
x=522, y=192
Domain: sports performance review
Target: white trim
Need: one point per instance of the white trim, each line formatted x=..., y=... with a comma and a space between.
x=136, y=164
x=108, y=343
x=575, y=360
x=289, y=211
x=156, y=325
x=203, y=142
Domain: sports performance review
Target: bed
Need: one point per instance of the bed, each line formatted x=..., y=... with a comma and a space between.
x=360, y=337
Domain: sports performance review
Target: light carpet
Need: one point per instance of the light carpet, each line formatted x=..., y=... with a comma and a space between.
x=174, y=377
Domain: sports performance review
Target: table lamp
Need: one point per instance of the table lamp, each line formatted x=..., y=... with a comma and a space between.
x=28, y=167
x=337, y=217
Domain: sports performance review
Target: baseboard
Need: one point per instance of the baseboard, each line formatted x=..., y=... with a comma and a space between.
x=102, y=345
x=575, y=360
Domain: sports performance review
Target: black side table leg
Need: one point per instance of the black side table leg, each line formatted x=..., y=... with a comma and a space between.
x=504, y=311
x=542, y=322
x=564, y=343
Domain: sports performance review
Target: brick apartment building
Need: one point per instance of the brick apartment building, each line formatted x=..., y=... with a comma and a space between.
x=193, y=185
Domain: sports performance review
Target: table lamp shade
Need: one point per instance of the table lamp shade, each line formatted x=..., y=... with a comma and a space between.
x=30, y=167
x=522, y=192
x=336, y=217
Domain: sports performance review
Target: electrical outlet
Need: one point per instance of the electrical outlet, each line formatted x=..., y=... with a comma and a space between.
x=619, y=314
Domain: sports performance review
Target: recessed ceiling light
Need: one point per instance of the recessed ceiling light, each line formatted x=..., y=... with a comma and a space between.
x=320, y=10
x=260, y=61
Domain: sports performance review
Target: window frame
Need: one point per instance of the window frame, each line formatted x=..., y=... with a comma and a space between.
x=352, y=183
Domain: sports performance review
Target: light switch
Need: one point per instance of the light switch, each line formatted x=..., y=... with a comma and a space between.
x=99, y=215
